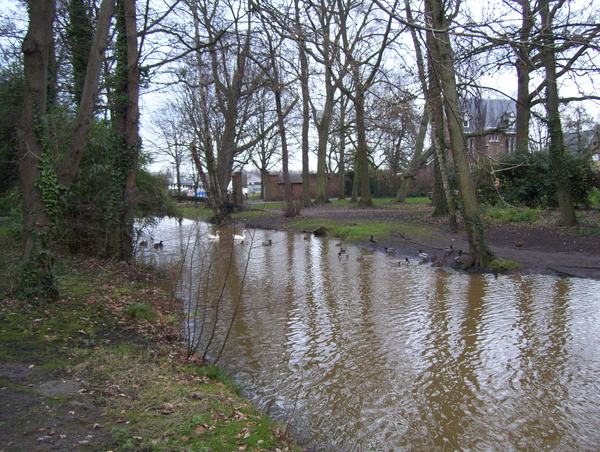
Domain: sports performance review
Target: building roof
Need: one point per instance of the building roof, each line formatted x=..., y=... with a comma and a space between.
x=295, y=178
x=482, y=115
x=582, y=140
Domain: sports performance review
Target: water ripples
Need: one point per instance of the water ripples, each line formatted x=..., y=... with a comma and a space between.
x=377, y=355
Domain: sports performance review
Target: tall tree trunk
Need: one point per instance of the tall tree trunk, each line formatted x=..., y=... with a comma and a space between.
x=443, y=199
x=88, y=94
x=305, y=106
x=35, y=170
x=362, y=150
x=355, y=182
x=559, y=170
x=480, y=253
x=290, y=210
x=126, y=124
x=524, y=68
x=417, y=159
x=342, y=151
x=79, y=39
x=323, y=125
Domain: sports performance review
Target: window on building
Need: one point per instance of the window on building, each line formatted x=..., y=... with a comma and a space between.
x=596, y=157
x=470, y=144
x=510, y=144
x=466, y=119
x=494, y=138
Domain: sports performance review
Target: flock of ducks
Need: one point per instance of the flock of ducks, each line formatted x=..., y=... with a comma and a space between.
x=435, y=259
x=157, y=246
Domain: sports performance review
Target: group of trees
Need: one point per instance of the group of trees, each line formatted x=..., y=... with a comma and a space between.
x=361, y=84
x=74, y=141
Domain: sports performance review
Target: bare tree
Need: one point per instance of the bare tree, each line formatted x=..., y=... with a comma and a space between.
x=363, y=66
x=174, y=140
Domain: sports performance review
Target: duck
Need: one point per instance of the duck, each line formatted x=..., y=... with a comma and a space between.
x=143, y=244
x=240, y=237
x=360, y=258
x=405, y=261
x=449, y=250
x=390, y=250
x=343, y=250
x=159, y=245
x=459, y=257
x=267, y=242
x=307, y=237
x=338, y=244
x=373, y=240
x=214, y=237
x=441, y=262
x=343, y=255
x=519, y=244
x=424, y=256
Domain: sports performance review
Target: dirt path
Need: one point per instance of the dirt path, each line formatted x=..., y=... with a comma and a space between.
x=545, y=249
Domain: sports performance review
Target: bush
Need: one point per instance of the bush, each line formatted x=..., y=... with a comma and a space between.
x=511, y=214
x=526, y=179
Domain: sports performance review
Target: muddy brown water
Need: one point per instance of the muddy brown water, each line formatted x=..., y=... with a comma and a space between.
x=377, y=354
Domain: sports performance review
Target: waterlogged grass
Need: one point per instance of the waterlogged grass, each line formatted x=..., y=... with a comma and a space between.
x=255, y=213
x=352, y=232
x=166, y=406
x=193, y=212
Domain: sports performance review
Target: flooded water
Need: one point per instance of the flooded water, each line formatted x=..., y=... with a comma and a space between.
x=382, y=355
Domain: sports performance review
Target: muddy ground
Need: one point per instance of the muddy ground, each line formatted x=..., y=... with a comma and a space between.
x=544, y=247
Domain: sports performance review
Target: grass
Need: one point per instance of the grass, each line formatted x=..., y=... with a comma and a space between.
x=511, y=215
x=164, y=405
x=120, y=336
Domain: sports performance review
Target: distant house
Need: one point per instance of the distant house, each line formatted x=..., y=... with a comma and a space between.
x=489, y=126
x=585, y=141
x=252, y=184
x=187, y=186
x=489, y=129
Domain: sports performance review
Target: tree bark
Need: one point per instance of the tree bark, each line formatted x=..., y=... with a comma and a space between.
x=557, y=148
x=305, y=106
x=89, y=92
x=126, y=129
x=524, y=68
x=37, y=280
x=480, y=253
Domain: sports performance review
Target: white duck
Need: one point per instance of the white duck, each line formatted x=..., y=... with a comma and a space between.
x=213, y=237
x=240, y=237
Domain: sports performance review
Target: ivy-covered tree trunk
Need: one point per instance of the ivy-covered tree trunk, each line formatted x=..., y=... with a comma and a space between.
x=558, y=169
x=79, y=38
x=88, y=94
x=524, y=67
x=126, y=130
x=480, y=253
x=37, y=179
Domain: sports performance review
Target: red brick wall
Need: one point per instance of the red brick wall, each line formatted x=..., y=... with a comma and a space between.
x=274, y=191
